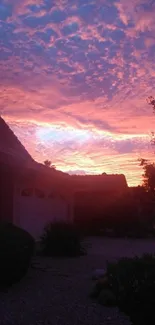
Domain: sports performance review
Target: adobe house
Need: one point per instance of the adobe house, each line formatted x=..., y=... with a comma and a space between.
x=31, y=194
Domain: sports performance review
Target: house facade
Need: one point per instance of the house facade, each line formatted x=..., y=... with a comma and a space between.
x=31, y=195
x=40, y=198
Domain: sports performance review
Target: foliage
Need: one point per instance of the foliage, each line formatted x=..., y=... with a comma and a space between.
x=151, y=101
x=148, y=167
x=149, y=175
x=61, y=239
x=132, y=283
x=16, y=249
x=48, y=164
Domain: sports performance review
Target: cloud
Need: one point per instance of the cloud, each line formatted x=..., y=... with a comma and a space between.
x=22, y=7
x=74, y=81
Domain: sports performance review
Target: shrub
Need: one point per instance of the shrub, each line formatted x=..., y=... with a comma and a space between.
x=61, y=239
x=16, y=249
x=102, y=284
x=132, y=283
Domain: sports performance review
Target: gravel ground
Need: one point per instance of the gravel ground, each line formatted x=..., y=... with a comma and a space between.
x=57, y=293
x=111, y=248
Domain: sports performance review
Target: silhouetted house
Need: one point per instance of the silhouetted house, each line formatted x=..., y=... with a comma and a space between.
x=30, y=193
x=105, y=183
x=95, y=193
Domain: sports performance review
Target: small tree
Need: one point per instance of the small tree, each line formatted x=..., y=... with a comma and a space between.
x=151, y=101
x=148, y=202
x=148, y=167
x=48, y=164
x=149, y=175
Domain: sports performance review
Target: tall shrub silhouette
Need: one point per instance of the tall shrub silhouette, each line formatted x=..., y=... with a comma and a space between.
x=16, y=250
x=61, y=239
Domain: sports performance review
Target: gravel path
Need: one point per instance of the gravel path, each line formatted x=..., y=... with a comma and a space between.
x=57, y=294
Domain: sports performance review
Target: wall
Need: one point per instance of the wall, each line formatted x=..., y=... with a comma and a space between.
x=6, y=194
x=33, y=213
x=90, y=205
x=99, y=183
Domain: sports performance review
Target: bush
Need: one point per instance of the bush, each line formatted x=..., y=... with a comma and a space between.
x=132, y=283
x=16, y=249
x=61, y=239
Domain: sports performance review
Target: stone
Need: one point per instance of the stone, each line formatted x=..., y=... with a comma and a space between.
x=98, y=273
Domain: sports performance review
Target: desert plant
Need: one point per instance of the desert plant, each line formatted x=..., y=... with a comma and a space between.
x=61, y=239
x=132, y=283
x=16, y=249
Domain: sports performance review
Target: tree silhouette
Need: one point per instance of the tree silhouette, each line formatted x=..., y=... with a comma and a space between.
x=148, y=167
x=149, y=175
x=48, y=164
x=151, y=101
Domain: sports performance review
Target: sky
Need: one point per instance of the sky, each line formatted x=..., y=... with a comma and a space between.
x=74, y=78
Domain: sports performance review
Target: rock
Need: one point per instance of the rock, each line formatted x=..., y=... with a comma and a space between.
x=98, y=273
x=95, y=292
x=107, y=298
x=101, y=283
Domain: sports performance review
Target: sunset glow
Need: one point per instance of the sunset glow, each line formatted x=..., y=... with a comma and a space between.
x=75, y=76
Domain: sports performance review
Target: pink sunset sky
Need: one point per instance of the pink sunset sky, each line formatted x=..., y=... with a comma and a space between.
x=75, y=76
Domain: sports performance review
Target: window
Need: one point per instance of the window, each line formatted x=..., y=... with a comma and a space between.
x=39, y=193
x=27, y=192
